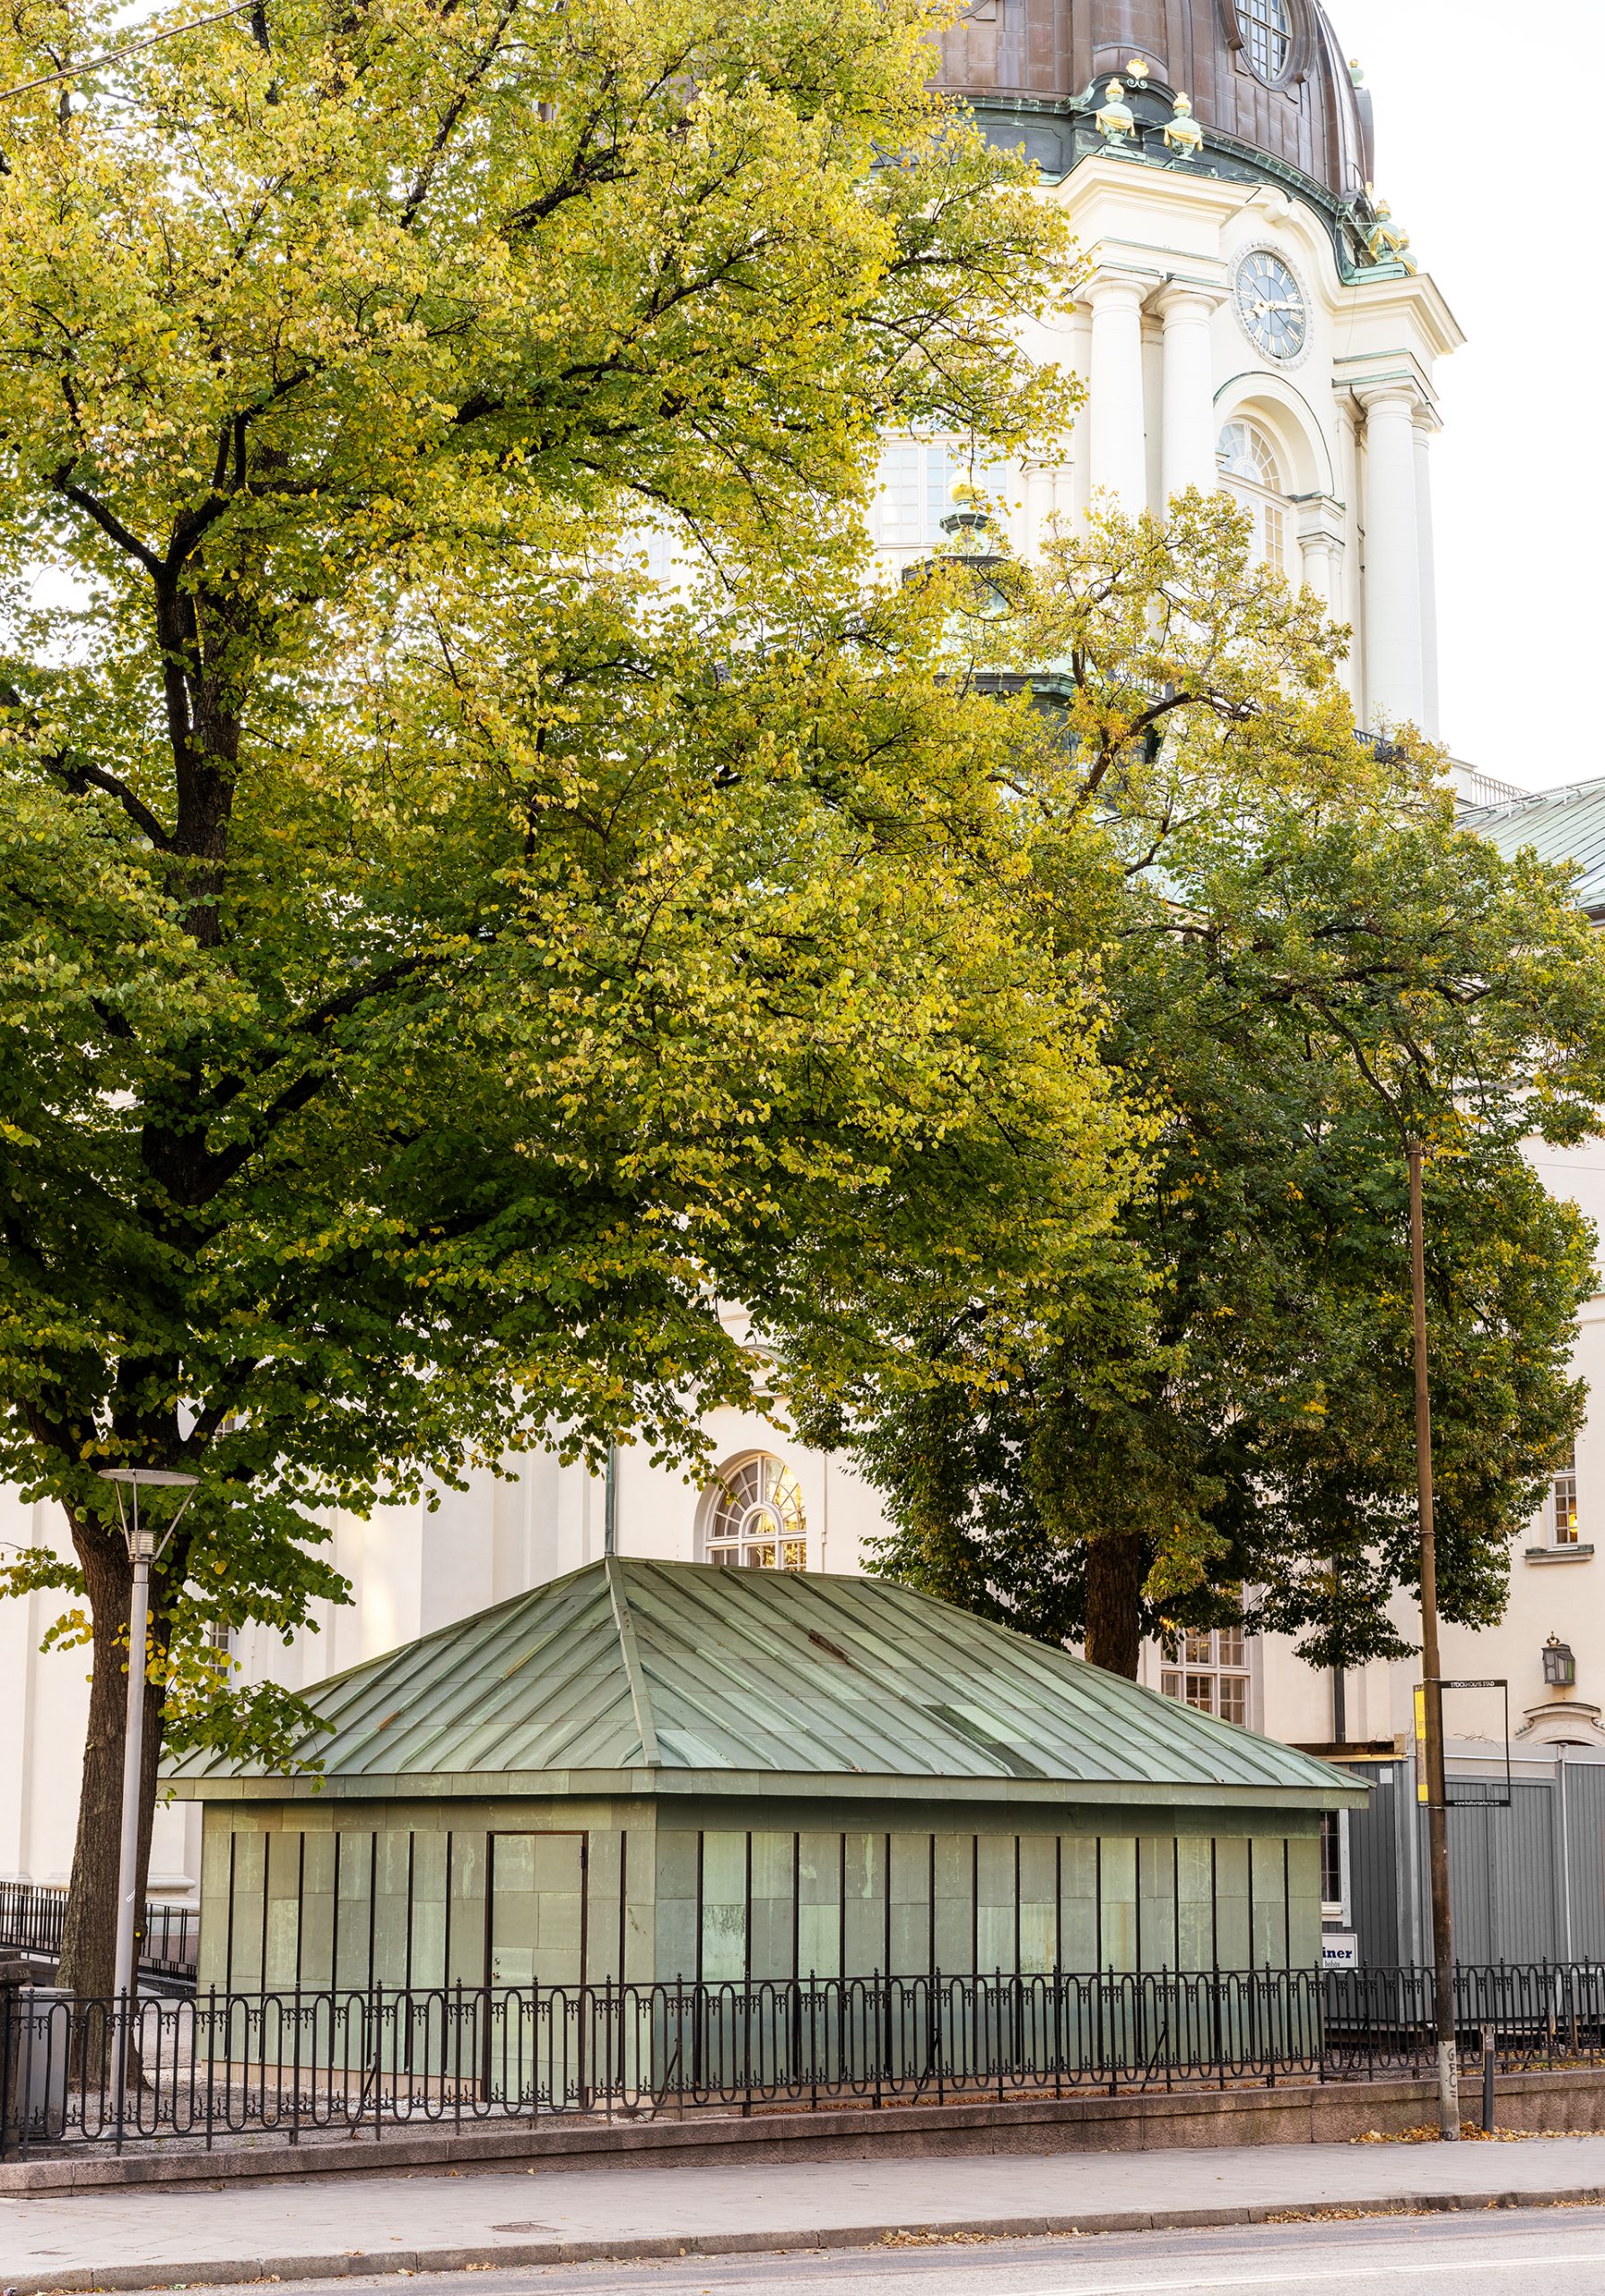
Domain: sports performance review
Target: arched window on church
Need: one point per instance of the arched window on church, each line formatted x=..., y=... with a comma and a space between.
x=754, y=1516
x=1266, y=31
x=1252, y=475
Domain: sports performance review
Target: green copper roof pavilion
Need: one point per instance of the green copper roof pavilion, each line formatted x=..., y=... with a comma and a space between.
x=632, y=1673
x=671, y=1770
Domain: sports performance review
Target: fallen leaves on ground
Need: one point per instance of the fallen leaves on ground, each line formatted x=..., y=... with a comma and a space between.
x=1471, y=2133
x=935, y=2236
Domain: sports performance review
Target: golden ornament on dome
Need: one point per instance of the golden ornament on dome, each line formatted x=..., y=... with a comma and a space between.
x=1116, y=119
x=1183, y=133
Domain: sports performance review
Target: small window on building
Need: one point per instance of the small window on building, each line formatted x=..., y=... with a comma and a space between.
x=1331, y=1864
x=1563, y=1503
x=1266, y=31
x=914, y=490
x=1276, y=538
x=1252, y=475
x=664, y=562
x=756, y=1521
x=1211, y=1673
x=220, y=1636
x=916, y=479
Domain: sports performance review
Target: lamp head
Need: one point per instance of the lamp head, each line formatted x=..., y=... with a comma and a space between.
x=1560, y=1663
x=140, y=1536
x=150, y=1478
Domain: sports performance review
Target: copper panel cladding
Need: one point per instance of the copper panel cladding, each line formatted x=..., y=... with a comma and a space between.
x=1125, y=27
x=1048, y=51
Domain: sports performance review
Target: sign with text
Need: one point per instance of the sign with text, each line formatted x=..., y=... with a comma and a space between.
x=1475, y=1794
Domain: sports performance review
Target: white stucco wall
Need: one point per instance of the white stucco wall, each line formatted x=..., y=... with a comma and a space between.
x=413, y=1569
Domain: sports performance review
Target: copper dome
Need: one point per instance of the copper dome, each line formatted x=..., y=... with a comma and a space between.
x=1267, y=79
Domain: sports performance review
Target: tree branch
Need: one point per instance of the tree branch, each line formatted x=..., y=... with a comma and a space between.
x=107, y=521
x=454, y=112
x=79, y=775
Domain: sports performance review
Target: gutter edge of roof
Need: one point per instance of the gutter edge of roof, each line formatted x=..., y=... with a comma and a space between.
x=1343, y=1790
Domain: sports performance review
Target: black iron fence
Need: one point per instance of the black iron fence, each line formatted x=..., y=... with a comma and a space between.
x=298, y=2065
x=32, y=1913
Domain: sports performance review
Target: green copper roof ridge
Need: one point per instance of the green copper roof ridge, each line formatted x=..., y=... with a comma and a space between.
x=655, y=1666
x=640, y=1697
x=453, y=1626
x=486, y=1626
x=1052, y=1664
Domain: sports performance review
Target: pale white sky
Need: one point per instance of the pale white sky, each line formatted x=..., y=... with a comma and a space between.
x=1479, y=149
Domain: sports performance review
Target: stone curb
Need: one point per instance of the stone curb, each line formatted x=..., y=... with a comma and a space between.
x=1295, y=2113
x=800, y=2134
x=232, y=2272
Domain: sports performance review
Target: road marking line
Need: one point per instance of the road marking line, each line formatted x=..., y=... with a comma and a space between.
x=1348, y=2273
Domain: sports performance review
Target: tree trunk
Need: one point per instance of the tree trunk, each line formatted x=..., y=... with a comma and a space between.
x=88, y=1964
x=1116, y=1567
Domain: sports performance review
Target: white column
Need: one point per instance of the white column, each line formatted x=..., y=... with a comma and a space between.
x=1320, y=552
x=1426, y=557
x=1319, y=568
x=1046, y=487
x=1078, y=449
x=1191, y=432
x=1115, y=425
x=1394, y=692
x=19, y=1634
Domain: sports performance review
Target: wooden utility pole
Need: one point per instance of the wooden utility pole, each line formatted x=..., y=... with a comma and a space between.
x=1437, y=1798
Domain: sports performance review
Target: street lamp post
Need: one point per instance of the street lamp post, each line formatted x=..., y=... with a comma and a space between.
x=143, y=1549
x=1437, y=1789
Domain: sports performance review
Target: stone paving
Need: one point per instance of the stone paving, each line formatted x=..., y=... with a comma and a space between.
x=328, y=2225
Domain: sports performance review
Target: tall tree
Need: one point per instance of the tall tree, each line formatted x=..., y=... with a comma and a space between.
x=1308, y=963
x=433, y=967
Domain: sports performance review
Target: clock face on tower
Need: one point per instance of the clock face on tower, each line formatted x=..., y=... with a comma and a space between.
x=1270, y=304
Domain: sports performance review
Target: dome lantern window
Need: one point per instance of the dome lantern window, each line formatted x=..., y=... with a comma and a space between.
x=1267, y=29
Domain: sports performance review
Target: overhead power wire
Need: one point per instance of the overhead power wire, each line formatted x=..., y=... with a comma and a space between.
x=131, y=48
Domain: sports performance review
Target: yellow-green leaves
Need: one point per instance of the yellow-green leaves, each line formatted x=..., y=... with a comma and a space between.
x=601, y=252
x=1303, y=959
x=435, y=965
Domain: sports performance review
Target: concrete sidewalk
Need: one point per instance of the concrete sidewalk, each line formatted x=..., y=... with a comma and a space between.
x=335, y=2226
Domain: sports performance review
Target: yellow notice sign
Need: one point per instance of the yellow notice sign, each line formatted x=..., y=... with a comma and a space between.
x=1420, y=1742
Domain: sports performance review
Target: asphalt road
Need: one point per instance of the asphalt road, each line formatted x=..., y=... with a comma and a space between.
x=1536, y=2252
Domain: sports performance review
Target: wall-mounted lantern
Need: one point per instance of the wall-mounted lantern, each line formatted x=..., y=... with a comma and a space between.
x=1560, y=1666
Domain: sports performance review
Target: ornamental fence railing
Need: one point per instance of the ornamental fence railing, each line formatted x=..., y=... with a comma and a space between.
x=32, y=1915
x=299, y=2065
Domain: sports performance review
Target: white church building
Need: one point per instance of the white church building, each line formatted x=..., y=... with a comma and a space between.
x=1254, y=319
